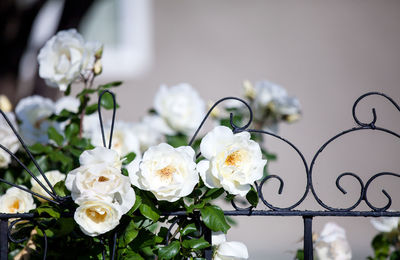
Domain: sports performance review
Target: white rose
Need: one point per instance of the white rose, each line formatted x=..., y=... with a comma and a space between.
x=332, y=244
x=16, y=201
x=169, y=173
x=288, y=108
x=233, y=161
x=150, y=131
x=266, y=93
x=180, y=106
x=96, y=217
x=60, y=60
x=33, y=112
x=91, y=125
x=68, y=103
x=124, y=139
x=224, y=250
x=52, y=176
x=65, y=57
x=385, y=224
x=7, y=139
x=100, y=155
x=100, y=176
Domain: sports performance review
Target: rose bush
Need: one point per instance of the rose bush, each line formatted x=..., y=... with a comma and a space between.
x=122, y=196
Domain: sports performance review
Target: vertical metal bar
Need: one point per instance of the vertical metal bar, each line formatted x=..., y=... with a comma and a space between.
x=208, y=251
x=3, y=239
x=308, y=243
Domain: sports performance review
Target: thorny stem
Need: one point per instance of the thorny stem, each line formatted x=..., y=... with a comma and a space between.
x=88, y=85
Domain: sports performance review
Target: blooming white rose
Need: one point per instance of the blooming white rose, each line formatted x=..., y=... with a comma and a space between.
x=33, y=112
x=385, y=224
x=150, y=131
x=168, y=172
x=332, y=244
x=272, y=98
x=233, y=161
x=7, y=139
x=64, y=57
x=16, y=201
x=180, y=106
x=96, y=217
x=52, y=176
x=100, y=155
x=224, y=250
x=99, y=176
x=68, y=103
x=124, y=140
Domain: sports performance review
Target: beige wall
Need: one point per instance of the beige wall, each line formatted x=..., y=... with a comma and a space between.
x=326, y=53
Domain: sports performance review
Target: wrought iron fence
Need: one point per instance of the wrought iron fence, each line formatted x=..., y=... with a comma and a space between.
x=307, y=215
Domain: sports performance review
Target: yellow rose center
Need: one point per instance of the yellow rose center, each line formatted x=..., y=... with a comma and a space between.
x=234, y=158
x=96, y=216
x=166, y=172
x=14, y=206
x=103, y=179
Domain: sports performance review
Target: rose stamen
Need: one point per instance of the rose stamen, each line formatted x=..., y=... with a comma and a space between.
x=94, y=215
x=103, y=179
x=234, y=158
x=14, y=207
x=166, y=172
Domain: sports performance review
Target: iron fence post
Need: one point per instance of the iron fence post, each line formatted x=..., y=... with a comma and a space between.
x=308, y=243
x=207, y=237
x=3, y=239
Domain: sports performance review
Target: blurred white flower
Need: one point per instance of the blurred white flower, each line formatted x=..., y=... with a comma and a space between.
x=124, y=139
x=65, y=57
x=53, y=177
x=273, y=100
x=7, y=139
x=68, y=103
x=332, y=244
x=99, y=176
x=168, y=172
x=96, y=217
x=16, y=201
x=5, y=104
x=180, y=106
x=233, y=161
x=224, y=250
x=150, y=131
x=385, y=224
x=91, y=125
x=33, y=112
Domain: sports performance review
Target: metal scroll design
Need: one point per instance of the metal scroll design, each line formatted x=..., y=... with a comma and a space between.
x=309, y=169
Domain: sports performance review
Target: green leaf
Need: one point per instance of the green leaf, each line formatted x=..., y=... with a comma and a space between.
x=110, y=85
x=300, y=255
x=60, y=189
x=138, y=202
x=199, y=243
x=49, y=210
x=59, y=156
x=91, y=109
x=200, y=205
x=130, y=255
x=68, y=90
x=107, y=101
x=191, y=228
x=129, y=234
x=168, y=252
x=213, y=217
x=39, y=148
x=148, y=209
x=71, y=130
x=177, y=140
x=128, y=158
x=213, y=194
x=55, y=136
x=252, y=197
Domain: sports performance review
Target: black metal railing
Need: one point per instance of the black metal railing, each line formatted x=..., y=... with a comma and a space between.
x=307, y=215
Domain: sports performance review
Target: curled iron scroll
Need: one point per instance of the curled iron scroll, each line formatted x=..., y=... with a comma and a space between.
x=363, y=189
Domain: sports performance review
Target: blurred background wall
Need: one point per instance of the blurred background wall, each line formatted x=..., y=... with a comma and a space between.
x=326, y=53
